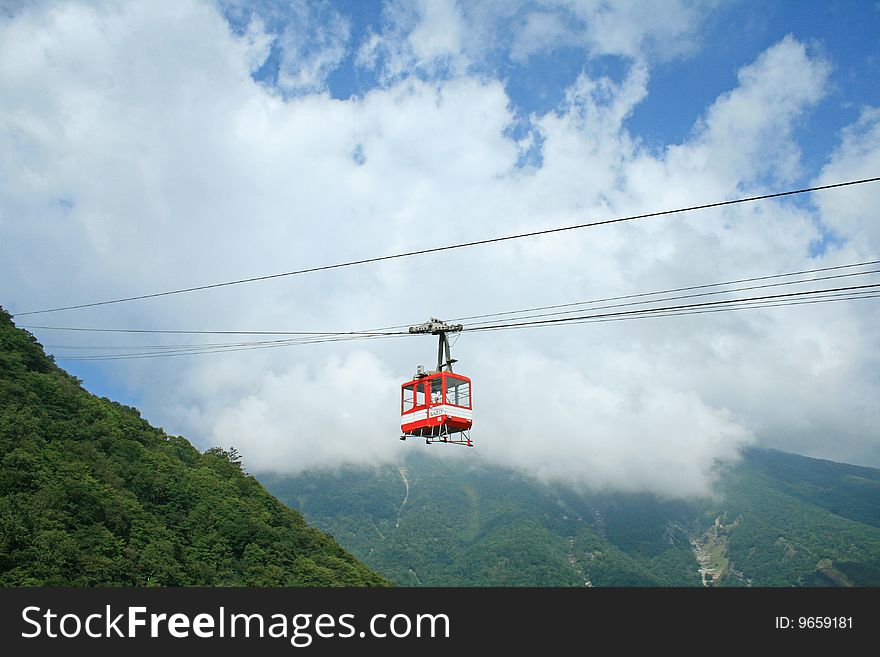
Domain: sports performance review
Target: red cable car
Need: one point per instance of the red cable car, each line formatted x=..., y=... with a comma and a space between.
x=437, y=406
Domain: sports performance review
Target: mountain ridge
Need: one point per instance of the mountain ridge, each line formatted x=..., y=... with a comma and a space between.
x=779, y=520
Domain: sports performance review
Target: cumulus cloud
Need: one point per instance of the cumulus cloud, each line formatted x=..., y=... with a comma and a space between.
x=739, y=138
x=294, y=402
x=857, y=156
x=138, y=154
x=616, y=427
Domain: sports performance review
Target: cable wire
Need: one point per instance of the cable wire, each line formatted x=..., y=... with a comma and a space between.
x=450, y=247
x=573, y=320
x=195, y=352
x=388, y=330
x=669, y=291
x=687, y=296
x=847, y=293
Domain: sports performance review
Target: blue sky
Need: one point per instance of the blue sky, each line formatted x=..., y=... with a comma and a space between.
x=152, y=146
x=681, y=86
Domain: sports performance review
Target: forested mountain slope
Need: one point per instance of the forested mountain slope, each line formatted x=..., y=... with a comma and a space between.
x=92, y=495
x=778, y=520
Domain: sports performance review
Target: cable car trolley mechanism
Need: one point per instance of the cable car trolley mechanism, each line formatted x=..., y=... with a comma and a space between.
x=437, y=405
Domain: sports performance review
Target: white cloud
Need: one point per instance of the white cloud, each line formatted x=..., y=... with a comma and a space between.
x=138, y=155
x=634, y=29
x=289, y=413
x=445, y=38
x=603, y=427
x=541, y=31
x=747, y=133
x=258, y=42
x=311, y=39
x=311, y=52
x=854, y=215
x=424, y=37
x=438, y=33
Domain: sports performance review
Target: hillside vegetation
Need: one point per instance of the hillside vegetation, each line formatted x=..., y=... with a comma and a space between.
x=92, y=495
x=778, y=520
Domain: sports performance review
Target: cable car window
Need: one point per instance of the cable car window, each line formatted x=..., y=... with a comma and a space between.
x=408, y=398
x=458, y=392
x=437, y=391
x=420, y=395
